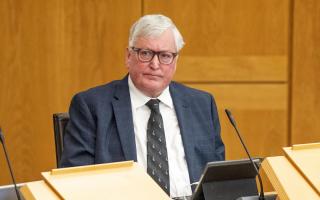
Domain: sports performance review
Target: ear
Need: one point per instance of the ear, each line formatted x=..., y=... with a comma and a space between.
x=177, y=58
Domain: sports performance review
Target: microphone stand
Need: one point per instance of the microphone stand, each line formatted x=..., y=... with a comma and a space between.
x=233, y=122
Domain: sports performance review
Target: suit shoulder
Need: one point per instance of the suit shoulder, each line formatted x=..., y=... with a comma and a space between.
x=100, y=92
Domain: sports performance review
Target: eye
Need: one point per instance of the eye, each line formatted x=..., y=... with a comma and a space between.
x=146, y=53
x=166, y=55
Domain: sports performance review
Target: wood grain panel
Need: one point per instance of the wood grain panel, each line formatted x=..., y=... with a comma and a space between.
x=235, y=69
x=261, y=114
x=228, y=27
x=27, y=60
x=305, y=72
x=94, y=39
x=53, y=49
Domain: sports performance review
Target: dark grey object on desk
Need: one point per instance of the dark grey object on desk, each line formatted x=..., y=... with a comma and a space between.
x=7, y=192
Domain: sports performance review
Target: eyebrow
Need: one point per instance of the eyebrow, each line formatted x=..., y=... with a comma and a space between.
x=169, y=51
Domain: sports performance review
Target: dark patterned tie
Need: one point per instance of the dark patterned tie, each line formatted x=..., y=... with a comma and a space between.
x=157, y=157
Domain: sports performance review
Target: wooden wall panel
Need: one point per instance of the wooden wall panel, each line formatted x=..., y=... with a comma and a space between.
x=305, y=125
x=94, y=39
x=53, y=49
x=261, y=114
x=228, y=27
x=30, y=54
x=232, y=69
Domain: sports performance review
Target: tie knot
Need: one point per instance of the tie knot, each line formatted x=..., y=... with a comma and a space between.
x=153, y=104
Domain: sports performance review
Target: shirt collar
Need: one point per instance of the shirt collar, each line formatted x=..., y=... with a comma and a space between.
x=139, y=99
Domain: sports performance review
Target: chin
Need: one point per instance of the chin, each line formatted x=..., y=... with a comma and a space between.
x=152, y=91
x=152, y=84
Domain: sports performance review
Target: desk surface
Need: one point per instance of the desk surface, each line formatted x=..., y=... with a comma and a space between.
x=123, y=180
x=287, y=180
x=38, y=190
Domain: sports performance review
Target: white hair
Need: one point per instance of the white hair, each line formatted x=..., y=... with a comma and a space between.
x=154, y=25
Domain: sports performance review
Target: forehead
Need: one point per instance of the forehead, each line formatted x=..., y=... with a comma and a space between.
x=164, y=42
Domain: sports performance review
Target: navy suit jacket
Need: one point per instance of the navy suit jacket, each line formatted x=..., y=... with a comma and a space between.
x=101, y=130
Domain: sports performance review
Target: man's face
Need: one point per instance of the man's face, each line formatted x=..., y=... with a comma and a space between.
x=152, y=77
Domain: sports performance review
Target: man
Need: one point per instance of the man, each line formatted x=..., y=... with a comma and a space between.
x=172, y=136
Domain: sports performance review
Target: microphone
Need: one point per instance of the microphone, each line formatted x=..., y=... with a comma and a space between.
x=9, y=165
x=233, y=122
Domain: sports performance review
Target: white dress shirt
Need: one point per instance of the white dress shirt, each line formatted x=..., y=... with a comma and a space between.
x=178, y=169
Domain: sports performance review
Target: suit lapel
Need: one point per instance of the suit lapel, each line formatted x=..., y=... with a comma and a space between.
x=123, y=114
x=185, y=121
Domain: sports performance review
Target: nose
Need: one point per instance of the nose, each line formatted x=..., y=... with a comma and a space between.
x=155, y=63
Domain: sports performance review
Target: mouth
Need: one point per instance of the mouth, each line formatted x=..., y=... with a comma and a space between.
x=152, y=76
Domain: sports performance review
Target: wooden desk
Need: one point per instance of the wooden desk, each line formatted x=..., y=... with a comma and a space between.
x=121, y=181
x=295, y=176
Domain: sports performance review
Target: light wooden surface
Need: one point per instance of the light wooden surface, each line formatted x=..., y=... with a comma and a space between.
x=122, y=180
x=306, y=159
x=89, y=168
x=38, y=190
x=125, y=180
x=287, y=181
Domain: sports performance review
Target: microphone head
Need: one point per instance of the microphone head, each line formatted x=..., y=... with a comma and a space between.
x=228, y=112
x=230, y=117
x=1, y=136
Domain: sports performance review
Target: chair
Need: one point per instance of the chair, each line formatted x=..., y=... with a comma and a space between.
x=60, y=121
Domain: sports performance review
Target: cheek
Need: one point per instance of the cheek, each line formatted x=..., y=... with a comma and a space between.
x=170, y=72
x=135, y=69
x=131, y=64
